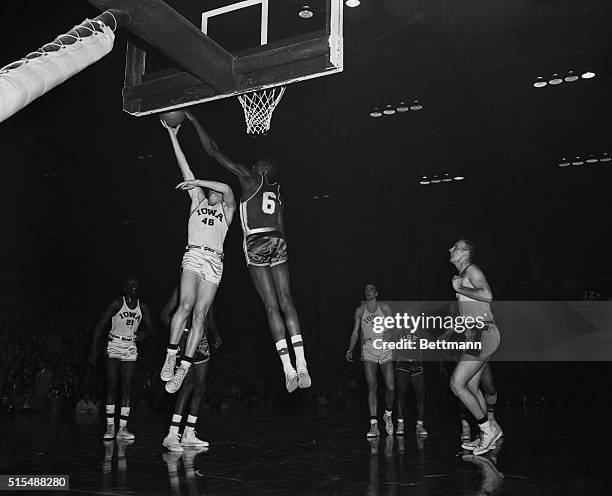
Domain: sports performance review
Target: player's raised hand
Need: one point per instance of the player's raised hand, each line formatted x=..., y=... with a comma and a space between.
x=172, y=130
x=349, y=356
x=186, y=185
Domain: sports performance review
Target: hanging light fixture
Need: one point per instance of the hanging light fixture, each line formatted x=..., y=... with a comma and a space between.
x=459, y=178
x=416, y=105
x=375, y=112
x=577, y=161
x=446, y=178
x=539, y=82
x=389, y=110
x=571, y=77
x=564, y=162
x=588, y=75
x=605, y=157
x=555, y=79
x=402, y=107
x=305, y=12
x=424, y=180
x=591, y=159
x=353, y=3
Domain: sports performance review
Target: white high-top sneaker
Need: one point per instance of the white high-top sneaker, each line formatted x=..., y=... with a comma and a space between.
x=175, y=383
x=167, y=371
x=110, y=432
x=173, y=442
x=190, y=439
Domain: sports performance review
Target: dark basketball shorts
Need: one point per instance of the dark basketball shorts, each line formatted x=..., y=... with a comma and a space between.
x=489, y=339
x=265, y=249
x=413, y=367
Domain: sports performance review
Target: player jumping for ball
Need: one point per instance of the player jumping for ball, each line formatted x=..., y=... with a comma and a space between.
x=265, y=248
x=209, y=219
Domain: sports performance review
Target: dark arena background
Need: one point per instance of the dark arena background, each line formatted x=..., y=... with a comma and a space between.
x=87, y=200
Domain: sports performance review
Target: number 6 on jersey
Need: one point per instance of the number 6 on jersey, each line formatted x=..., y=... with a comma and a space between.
x=268, y=204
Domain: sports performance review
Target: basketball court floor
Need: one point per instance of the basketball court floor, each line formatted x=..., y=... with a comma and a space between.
x=324, y=453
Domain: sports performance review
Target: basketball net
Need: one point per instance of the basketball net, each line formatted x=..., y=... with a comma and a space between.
x=258, y=107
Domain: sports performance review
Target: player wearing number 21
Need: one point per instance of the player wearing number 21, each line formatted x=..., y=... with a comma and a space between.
x=265, y=249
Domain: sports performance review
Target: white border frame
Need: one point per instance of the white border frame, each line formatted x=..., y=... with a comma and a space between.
x=237, y=6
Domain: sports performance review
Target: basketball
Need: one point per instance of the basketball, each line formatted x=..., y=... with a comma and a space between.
x=173, y=118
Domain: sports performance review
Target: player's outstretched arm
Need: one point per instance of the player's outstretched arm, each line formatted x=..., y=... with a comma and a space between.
x=211, y=147
x=111, y=310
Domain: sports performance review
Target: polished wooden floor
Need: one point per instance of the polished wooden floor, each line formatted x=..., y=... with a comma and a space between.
x=314, y=454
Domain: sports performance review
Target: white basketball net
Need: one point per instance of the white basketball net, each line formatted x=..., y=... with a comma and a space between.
x=258, y=107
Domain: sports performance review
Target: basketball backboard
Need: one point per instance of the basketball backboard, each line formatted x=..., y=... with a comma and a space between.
x=256, y=44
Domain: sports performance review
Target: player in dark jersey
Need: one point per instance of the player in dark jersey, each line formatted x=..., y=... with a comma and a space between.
x=194, y=384
x=261, y=213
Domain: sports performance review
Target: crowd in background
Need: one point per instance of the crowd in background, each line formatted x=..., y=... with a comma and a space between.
x=44, y=369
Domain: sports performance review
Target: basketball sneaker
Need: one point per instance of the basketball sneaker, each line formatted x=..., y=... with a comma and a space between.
x=487, y=440
x=291, y=380
x=388, y=420
x=175, y=383
x=400, y=428
x=167, y=371
x=304, y=380
x=373, y=432
x=124, y=434
x=172, y=442
x=110, y=432
x=420, y=429
x=190, y=439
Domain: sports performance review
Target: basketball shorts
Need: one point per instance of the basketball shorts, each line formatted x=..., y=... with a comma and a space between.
x=489, y=339
x=265, y=249
x=413, y=367
x=202, y=353
x=371, y=354
x=206, y=264
x=122, y=349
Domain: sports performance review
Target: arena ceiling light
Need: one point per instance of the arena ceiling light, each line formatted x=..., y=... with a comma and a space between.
x=588, y=75
x=416, y=105
x=402, y=107
x=605, y=157
x=539, y=82
x=440, y=178
x=389, y=110
x=571, y=76
x=459, y=178
x=352, y=3
x=446, y=178
x=305, y=12
x=375, y=112
x=592, y=159
x=564, y=162
x=555, y=79
x=424, y=181
x=577, y=161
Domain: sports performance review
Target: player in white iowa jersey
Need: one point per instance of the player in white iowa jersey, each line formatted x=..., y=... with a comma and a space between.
x=373, y=357
x=126, y=315
x=209, y=218
x=261, y=213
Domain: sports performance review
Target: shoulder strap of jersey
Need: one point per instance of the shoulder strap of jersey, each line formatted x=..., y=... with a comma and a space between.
x=462, y=273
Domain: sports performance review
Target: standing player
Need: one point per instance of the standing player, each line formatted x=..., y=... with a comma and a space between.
x=409, y=371
x=374, y=358
x=126, y=314
x=265, y=248
x=194, y=383
x=209, y=219
x=474, y=295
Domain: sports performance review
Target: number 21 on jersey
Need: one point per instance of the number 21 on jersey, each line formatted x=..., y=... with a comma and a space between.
x=268, y=204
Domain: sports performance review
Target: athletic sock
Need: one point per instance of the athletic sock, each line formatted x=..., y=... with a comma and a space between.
x=484, y=424
x=491, y=409
x=388, y=412
x=283, y=353
x=186, y=362
x=298, y=348
x=190, y=427
x=172, y=349
x=110, y=414
x=175, y=424
x=125, y=413
x=400, y=420
x=373, y=420
x=420, y=422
